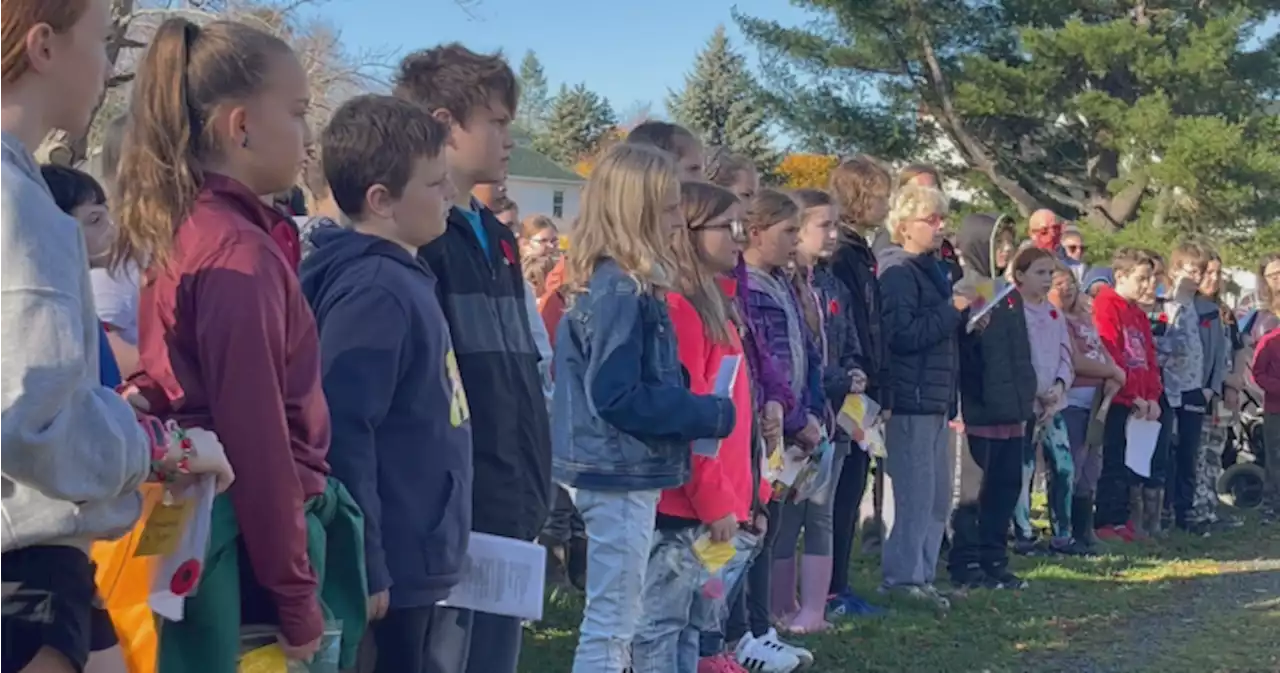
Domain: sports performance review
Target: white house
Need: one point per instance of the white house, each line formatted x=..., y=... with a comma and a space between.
x=540, y=186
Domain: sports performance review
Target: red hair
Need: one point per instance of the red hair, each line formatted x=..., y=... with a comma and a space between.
x=18, y=17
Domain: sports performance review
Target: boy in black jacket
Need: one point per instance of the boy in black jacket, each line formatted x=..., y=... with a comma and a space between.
x=997, y=395
x=482, y=292
x=401, y=434
x=860, y=189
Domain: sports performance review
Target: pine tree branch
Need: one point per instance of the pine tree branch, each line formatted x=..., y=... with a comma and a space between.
x=977, y=153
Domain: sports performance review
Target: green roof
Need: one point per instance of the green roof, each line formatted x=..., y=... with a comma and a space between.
x=526, y=163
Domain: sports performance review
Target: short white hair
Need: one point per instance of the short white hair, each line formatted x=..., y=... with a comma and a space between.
x=914, y=202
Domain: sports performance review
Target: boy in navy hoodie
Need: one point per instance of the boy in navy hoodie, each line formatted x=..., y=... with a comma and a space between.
x=401, y=430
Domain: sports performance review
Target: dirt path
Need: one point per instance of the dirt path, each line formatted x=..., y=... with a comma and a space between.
x=1209, y=604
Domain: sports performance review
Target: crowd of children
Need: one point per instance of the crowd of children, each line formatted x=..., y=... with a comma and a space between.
x=410, y=364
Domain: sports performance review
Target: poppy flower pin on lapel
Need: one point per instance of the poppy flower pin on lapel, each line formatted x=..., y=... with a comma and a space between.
x=833, y=307
x=509, y=255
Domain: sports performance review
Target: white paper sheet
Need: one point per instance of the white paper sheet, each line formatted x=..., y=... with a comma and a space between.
x=178, y=574
x=729, y=365
x=1141, y=436
x=501, y=576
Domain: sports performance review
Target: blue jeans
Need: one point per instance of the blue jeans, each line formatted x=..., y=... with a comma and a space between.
x=619, y=536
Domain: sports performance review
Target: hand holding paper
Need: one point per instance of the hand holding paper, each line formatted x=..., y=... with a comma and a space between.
x=725, y=380
x=979, y=312
x=208, y=457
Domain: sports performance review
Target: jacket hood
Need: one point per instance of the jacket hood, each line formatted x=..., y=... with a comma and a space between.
x=338, y=250
x=881, y=241
x=976, y=242
x=1098, y=274
x=890, y=256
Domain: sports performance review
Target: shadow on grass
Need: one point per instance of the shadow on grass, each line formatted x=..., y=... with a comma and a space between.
x=1144, y=607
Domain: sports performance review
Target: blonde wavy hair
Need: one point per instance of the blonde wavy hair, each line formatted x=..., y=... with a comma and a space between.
x=621, y=218
x=701, y=203
x=914, y=202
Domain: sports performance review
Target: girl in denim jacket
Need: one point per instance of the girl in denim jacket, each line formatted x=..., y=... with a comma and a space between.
x=623, y=414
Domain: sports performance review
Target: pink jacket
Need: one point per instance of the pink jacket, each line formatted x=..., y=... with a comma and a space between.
x=1051, y=348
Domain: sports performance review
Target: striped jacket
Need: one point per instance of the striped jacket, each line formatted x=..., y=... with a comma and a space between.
x=483, y=301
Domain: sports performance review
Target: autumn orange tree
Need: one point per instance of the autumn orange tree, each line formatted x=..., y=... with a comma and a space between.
x=585, y=163
x=799, y=171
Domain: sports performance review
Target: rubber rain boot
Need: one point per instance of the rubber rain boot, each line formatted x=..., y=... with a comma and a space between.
x=1152, y=509
x=782, y=601
x=1137, y=513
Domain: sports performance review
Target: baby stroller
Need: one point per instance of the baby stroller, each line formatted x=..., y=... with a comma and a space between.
x=1243, y=460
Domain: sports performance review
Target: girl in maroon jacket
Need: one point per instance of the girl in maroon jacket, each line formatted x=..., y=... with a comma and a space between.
x=226, y=339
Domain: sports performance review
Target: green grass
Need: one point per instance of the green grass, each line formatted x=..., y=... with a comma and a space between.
x=1184, y=604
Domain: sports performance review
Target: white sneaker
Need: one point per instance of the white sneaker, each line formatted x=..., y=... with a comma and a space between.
x=767, y=654
x=805, y=656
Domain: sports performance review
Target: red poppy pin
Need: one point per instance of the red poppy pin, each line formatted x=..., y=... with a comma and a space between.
x=1053, y=314
x=508, y=253
x=184, y=578
x=833, y=308
x=1163, y=317
x=1204, y=324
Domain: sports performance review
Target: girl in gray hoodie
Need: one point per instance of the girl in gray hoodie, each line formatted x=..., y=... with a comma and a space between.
x=74, y=452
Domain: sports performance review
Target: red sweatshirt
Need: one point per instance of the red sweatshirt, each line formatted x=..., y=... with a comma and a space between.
x=1266, y=370
x=551, y=303
x=723, y=484
x=228, y=342
x=1126, y=333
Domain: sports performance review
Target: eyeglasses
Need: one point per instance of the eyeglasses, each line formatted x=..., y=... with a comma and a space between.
x=935, y=220
x=736, y=229
x=544, y=240
x=1192, y=272
x=1073, y=248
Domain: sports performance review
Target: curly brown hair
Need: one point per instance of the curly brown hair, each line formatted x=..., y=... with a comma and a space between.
x=859, y=187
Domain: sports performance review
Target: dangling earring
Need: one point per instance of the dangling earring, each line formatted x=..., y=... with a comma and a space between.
x=244, y=144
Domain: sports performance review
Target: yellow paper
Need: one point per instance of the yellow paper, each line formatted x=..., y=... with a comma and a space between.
x=164, y=528
x=985, y=289
x=854, y=408
x=714, y=555
x=269, y=659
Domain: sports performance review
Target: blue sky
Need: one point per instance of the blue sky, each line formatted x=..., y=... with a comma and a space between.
x=629, y=51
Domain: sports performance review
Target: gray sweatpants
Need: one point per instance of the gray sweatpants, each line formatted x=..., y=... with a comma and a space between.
x=919, y=481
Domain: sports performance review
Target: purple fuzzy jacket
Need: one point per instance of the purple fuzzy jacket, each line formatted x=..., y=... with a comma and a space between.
x=768, y=352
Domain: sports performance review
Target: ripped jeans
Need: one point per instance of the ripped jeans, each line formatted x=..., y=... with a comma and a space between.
x=682, y=599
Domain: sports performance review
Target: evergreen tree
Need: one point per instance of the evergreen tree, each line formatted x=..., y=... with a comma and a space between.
x=579, y=119
x=535, y=96
x=719, y=103
x=1116, y=113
